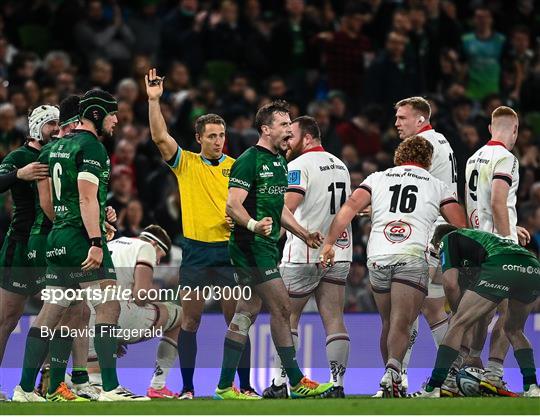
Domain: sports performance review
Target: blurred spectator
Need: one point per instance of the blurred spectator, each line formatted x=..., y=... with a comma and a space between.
x=320, y=111
x=240, y=133
x=362, y=132
x=131, y=219
x=122, y=188
x=10, y=136
x=529, y=218
x=225, y=41
x=482, y=50
x=145, y=25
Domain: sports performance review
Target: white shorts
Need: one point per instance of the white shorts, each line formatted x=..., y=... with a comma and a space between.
x=405, y=269
x=132, y=317
x=302, y=279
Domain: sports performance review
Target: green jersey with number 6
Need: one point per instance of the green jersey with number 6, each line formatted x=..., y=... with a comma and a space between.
x=79, y=155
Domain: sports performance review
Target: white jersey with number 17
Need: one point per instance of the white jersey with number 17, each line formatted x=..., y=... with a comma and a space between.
x=405, y=203
x=324, y=181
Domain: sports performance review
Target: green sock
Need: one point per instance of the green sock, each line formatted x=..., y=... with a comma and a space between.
x=35, y=352
x=287, y=354
x=106, y=346
x=445, y=358
x=232, y=352
x=60, y=349
x=525, y=360
x=79, y=375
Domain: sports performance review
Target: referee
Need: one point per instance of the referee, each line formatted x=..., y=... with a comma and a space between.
x=203, y=185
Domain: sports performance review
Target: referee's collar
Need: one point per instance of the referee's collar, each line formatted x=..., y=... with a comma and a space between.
x=213, y=162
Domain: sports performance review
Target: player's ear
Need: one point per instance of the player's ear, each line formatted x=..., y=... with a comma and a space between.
x=198, y=138
x=489, y=128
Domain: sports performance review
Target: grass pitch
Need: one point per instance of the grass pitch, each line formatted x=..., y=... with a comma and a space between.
x=351, y=405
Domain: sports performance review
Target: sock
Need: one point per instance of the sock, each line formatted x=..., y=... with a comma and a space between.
x=232, y=351
x=187, y=353
x=244, y=366
x=106, y=346
x=95, y=378
x=60, y=348
x=394, y=364
x=337, y=352
x=35, y=352
x=287, y=354
x=525, y=360
x=407, y=357
x=166, y=354
x=445, y=357
x=280, y=375
x=495, y=367
x=438, y=331
x=79, y=375
x=475, y=353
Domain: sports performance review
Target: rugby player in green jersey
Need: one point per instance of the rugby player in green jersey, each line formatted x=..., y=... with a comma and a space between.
x=257, y=185
x=18, y=171
x=506, y=271
x=77, y=254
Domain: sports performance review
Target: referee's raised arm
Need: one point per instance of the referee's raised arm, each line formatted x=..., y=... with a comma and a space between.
x=158, y=128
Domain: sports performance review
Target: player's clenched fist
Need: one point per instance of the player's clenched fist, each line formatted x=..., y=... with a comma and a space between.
x=264, y=226
x=314, y=240
x=93, y=260
x=327, y=256
x=154, y=85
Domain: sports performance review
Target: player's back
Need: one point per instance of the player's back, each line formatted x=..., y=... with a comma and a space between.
x=126, y=253
x=492, y=161
x=405, y=203
x=79, y=155
x=324, y=181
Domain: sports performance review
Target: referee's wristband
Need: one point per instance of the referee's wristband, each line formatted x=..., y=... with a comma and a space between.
x=251, y=225
x=96, y=241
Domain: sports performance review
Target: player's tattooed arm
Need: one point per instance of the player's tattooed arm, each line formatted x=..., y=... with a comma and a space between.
x=158, y=128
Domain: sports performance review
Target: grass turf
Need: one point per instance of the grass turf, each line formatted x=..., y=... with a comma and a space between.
x=351, y=405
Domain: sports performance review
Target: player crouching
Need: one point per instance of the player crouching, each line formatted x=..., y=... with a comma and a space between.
x=134, y=260
x=507, y=271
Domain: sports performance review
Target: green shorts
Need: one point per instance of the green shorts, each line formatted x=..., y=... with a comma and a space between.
x=67, y=249
x=16, y=269
x=37, y=245
x=509, y=276
x=205, y=264
x=254, y=263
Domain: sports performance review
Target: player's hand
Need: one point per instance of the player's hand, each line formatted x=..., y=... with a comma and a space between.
x=264, y=226
x=523, y=236
x=33, y=171
x=230, y=222
x=93, y=260
x=110, y=214
x=110, y=230
x=154, y=85
x=327, y=256
x=314, y=240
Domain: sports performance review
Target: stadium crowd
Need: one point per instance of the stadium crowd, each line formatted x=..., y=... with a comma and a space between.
x=344, y=63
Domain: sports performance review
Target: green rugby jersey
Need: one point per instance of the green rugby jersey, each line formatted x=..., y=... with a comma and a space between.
x=79, y=155
x=42, y=224
x=471, y=248
x=22, y=192
x=263, y=175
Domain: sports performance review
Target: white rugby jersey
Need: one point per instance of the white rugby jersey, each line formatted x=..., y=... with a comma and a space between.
x=324, y=181
x=405, y=203
x=443, y=163
x=127, y=253
x=491, y=161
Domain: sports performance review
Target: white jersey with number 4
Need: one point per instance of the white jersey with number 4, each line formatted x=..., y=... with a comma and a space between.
x=443, y=164
x=405, y=203
x=325, y=183
x=492, y=161
x=127, y=253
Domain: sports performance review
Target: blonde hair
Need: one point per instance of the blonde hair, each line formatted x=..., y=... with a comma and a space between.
x=503, y=111
x=420, y=104
x=414, y=149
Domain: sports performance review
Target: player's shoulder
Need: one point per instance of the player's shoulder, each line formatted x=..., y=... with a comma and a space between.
x=249, y=155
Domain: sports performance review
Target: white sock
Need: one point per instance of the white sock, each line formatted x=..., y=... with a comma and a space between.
x=438, y=331
x=280, y=376
x=495, y=368
x=414, y=334
x=95, y=378
x=167, y=352
x=337, y=353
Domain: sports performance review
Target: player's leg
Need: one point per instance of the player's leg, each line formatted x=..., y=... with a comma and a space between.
x=380, y=280
x=518, y=311
x=498, y=348
x=11, y=310
x=170, y=316
x=435, y=314
x=330, y=296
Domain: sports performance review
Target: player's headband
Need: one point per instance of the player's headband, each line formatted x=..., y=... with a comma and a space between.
x=153, y=237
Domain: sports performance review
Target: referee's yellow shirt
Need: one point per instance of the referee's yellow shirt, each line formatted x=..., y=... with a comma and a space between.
x=203, y=195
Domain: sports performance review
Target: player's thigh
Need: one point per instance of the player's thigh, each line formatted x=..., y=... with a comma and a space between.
x=274, y=296
x=136, y=320
x=255, y=264
x=11, y=307
x=330, y=293
x=517, y=315
x=249, y=304
x=15, y=269
x=300, y=279
x=472, y=307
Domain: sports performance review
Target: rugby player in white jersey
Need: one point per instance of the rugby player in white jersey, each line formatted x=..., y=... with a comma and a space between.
x=492, y=180
x=134, y=260
x=405, y=202
x=413, y=118
x=319, y=184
